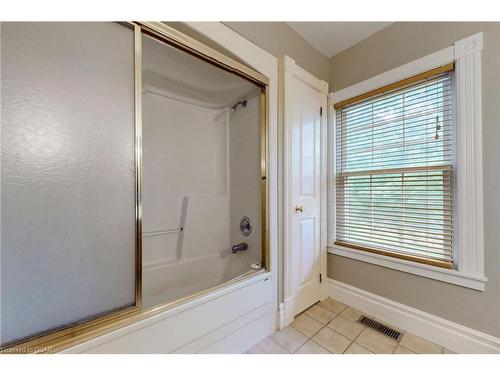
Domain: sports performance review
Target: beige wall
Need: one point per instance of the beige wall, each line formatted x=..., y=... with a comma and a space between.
x=395, y=45
x=279, y=39
x=184, y=28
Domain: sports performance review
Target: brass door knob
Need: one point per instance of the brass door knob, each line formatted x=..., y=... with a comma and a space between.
x=299, y=209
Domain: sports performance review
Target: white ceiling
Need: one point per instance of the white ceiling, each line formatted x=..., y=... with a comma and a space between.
x=331, y=38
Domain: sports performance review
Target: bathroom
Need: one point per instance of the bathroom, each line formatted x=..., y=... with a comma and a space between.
x=250, y=187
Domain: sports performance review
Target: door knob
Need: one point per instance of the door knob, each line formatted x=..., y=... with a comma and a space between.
x=299, y=209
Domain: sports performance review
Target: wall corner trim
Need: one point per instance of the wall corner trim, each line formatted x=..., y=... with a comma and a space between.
x=451, y=335
x=469, y=155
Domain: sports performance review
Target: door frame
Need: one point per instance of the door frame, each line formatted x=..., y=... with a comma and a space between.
x=289, y=70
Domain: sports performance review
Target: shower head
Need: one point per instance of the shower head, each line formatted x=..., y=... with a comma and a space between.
x=242, y=103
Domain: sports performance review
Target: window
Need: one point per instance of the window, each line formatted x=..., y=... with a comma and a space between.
x=460, y=136
x=394, y=170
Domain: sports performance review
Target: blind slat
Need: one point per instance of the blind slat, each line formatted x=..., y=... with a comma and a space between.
x=434, y=73
x=361, y=122
x=431, y=229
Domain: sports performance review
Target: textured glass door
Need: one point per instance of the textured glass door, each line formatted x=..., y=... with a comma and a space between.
x=68, y=221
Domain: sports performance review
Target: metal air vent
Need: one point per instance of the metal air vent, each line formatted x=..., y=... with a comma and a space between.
x=379, y=327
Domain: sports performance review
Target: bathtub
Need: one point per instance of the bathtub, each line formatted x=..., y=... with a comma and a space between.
x=169, y=281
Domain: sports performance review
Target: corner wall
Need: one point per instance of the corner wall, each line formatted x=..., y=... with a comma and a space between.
x=279, y=39
x=391, y=47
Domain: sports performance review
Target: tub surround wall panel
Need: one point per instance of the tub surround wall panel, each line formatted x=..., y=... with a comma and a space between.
x=391, y=47
x=244, y=167
x=190, y=193
x=185, y=157
x=185, y=183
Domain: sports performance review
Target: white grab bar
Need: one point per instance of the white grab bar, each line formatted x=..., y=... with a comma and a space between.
x=162, y=232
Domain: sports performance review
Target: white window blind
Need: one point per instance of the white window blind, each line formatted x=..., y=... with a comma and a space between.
x=394, y=173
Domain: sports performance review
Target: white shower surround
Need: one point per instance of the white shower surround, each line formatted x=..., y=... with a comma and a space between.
x=233, y=318
x=201, y=172
x=185, y=158
x=205, y=260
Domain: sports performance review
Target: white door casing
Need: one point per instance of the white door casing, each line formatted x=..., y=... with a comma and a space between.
x=303, y=99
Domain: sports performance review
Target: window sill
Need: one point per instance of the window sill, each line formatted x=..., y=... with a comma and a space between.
x=424, y=270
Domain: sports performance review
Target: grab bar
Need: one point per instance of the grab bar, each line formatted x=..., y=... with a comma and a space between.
x=162, y=232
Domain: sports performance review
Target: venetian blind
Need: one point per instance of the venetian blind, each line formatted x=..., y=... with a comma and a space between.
x=394, y=172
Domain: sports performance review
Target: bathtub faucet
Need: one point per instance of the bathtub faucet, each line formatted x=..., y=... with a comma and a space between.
x=242, y=246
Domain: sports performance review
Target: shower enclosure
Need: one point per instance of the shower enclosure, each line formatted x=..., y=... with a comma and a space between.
x=201, y=174
x=133, y=176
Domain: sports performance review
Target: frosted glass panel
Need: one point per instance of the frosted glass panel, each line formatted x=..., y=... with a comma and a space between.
x=67, y=177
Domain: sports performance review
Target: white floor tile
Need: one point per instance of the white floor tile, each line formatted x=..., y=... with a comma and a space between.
x=320, y=314
x=267, y=346
x=307, y=325
x=310, y=347
x=289, y=338
x=375, y=342
x=331, y=340
x=357, y=349
x=346, y=327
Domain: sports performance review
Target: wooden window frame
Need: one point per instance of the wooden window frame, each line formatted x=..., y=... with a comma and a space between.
x=374, y=94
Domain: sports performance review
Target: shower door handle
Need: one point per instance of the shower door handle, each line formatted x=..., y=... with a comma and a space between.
x=299, y=209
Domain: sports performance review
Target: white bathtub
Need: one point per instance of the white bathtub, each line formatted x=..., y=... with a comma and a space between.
x=178, y=279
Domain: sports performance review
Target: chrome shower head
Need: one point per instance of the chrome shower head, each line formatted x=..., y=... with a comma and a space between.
x=243, y=103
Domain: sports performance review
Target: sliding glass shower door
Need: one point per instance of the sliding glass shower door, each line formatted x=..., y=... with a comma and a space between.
x=68, y=200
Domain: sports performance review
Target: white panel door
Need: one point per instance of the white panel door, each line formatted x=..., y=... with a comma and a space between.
x=305, y=193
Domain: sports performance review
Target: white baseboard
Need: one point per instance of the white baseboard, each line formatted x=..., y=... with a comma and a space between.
x=453, y=336
x=289, y=314
x=281, y=315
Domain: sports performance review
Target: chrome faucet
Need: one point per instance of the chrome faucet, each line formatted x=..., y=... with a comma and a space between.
x=242, y=246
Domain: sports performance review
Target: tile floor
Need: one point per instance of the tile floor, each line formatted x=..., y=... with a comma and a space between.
x=330, y=327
